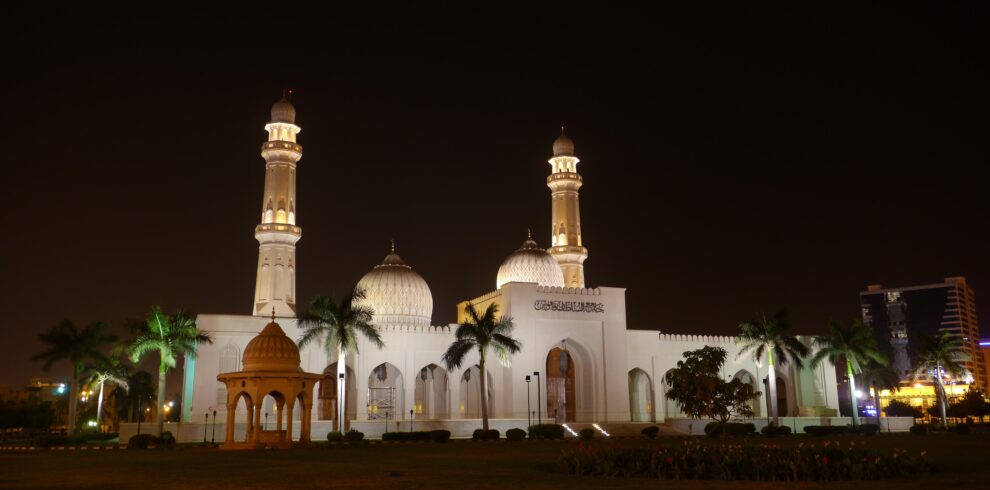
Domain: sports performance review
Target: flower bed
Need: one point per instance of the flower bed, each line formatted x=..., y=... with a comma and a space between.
x=696, y=461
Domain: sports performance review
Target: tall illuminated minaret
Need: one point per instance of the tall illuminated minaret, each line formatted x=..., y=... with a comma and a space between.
x=278, y=233
x=565, y=226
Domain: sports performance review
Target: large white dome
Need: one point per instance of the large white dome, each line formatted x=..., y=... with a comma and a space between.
x=530, y=264
x=398, y=295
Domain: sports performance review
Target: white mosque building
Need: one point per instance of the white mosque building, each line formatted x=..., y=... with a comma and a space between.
x=579, y=364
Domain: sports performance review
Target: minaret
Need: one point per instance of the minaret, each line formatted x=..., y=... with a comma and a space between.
x=565, y=227
x=896, y=311
x=275, y=290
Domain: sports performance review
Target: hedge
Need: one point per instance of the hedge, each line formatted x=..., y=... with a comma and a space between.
x=714, y=429
x=650, y=432
x=776, y=430
x=141, y=441
x=546, y=431
x=485, y=435
x=587, y=434
x=825, y=430
x=420, y=435
x=515, y=434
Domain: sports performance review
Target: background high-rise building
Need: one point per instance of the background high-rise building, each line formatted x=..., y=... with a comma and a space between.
x=899, y=316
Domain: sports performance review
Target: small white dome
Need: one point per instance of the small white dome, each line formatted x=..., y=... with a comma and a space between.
x=284, y=112
x=563, y=145
x=397, y=294
x=530, y=264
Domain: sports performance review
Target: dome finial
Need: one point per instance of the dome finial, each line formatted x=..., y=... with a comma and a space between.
x=529, y=234
x=273, y=314
x=393, y=245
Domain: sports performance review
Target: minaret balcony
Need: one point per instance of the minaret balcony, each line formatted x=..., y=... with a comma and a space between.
x=274, y=149
x=564, y=176
x=278, y=227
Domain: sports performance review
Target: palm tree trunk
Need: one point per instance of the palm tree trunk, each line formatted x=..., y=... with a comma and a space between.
x=876, y=402
x=484, y=393
x=342, y=379
x=99, y=410
x=940, y=393
x=73, y=399
x=772, y=382
x=160, y=409
x=852, y=393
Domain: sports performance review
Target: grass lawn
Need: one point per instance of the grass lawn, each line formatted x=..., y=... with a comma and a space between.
x=961, y=461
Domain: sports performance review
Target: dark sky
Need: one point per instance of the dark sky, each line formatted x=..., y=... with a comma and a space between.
x=734, y=160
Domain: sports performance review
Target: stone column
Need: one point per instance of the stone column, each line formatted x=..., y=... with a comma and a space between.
x=249, y=432
x=306, y=423
x=289, y=407
x=256, y=435
x=278, y=416
x=231, y=409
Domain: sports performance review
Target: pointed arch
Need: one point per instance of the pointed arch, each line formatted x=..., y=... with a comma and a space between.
x=748, y=378
x=432, y=393
x=641, y=407
x=470, y=389
x=386, y=392
x=328, y=394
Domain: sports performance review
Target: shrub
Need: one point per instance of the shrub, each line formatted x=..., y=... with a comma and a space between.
x=825, y=430
x=335, y=436
x=961, y=429
x=166, y=439
x=697, y=461
x=901, y=409
x=141, y=441
x=587, y=434
x=546, y=431
x=420, y=435
x=776, y=430
x=440, y=435
x=515, y=434
x=919, y=430
x=650, y=432
x=865, y=429
x=353, y=436
x=715, y=429
x=485, y=435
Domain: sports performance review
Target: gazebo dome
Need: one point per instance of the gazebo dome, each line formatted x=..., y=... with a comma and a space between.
x=271, y=350
x=530, y=263
x=284, y=112
x=398, y=296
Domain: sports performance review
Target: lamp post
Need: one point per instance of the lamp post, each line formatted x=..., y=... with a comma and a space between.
x=539, y=415
x=529, y=416
x=140, y=416
x=206, y=425
x=410, y=419
x=213, y=438
x=265, y=427
x=766, y=389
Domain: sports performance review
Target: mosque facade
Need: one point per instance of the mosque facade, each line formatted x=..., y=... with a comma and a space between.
x=578, y=364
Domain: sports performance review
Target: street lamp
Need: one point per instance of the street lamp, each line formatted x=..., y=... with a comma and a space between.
x=410, y=419
x=529, y=416
x=539, y=415
x=341, y=408
x=206, y=425
x=213, y=438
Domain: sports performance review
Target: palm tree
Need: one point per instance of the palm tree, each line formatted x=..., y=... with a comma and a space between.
x=336, y=326
x=141, y=390
x=80, y=347
x=879, y=376
x=768, y=335
x=853, y=344
x=488, y=331
x=109, y=370
x=938, y=356
x=170, y=336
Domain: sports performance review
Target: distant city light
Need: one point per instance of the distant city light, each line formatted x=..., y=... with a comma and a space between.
x=61, y=389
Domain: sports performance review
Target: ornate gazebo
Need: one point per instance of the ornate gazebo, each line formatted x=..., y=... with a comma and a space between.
x=270, y=367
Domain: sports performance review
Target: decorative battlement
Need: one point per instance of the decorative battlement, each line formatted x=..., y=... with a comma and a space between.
x=566, y=290
x=707, y=339
x=485, y=297
x=434, y=329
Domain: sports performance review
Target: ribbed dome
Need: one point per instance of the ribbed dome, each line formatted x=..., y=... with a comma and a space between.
x=271, y=350
x=284, y=112
x=530, y=264
x=397, y=294
x=563, y=146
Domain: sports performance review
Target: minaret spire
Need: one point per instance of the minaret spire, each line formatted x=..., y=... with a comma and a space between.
x=275, y=289
x=565, y=227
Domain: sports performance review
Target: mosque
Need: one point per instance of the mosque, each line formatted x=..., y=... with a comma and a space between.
x=578, y=364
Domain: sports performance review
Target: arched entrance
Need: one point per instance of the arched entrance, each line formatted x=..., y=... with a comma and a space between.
x=385, y=393
x=747, y=378
x=248, y=409
x=782, y=409
x=432, y=394
x=561, y=399
x=641, y=397
x=471, y=393
x=670, y=408
x=328, y=393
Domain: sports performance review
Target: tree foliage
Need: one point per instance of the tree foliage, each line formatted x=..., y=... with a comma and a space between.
x=972, y=404
x=900, y=409
x=696, y=385
x=852, y=345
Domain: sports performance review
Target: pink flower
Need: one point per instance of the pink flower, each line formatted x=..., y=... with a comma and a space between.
x=825, y=460
x=669, y=460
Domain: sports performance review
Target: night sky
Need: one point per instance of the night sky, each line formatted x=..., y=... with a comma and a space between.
x=734, y=160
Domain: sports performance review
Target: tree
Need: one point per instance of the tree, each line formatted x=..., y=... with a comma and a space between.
x=853, y=344
x=696, y=385
x=337, y=326
x=939, y=356
x=170, y=336
x=128, y=403
x=481, y=333
x=768, y=335
x=80, y=347
x=972, y=404
x=109, y=370
x=900, y=409
x=879, y=376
